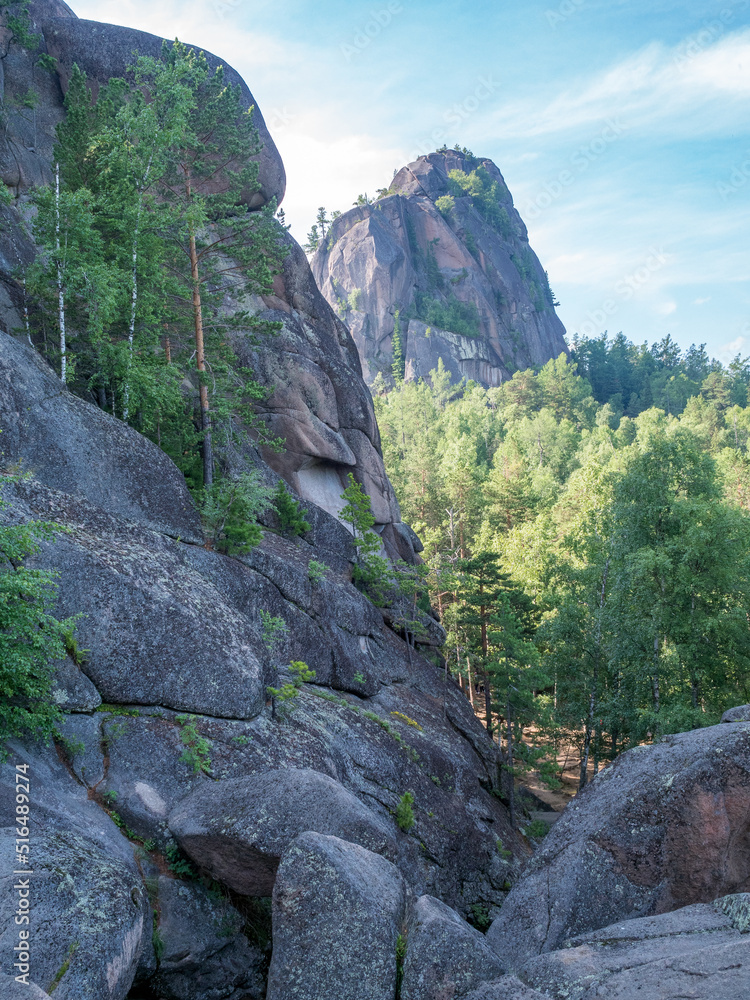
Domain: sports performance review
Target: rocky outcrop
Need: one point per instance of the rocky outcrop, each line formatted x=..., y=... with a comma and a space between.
x=701, y=952
x=202, y=950
x=337, y=913
x=445, y=957
x=88, y=904
x=429, y=250
x=238, y=830
x=664, y=826
x=317, y=402
x=739, y=714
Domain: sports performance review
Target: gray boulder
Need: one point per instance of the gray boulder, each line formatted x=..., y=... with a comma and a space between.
x=238, y=830
x=701, y=952
x=88, y=904
x=739, y=714
x=507, y=988
x=337, y=912
x=446, y=958
x=662, y=827
x=12, y=990
x=72, y=690
x=74, y=447
x=203, y=952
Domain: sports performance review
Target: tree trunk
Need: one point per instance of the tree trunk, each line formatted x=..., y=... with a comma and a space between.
x=60, y=291
x=471, y=682
x=200, y=357
x=511, y=782
x=487, y=703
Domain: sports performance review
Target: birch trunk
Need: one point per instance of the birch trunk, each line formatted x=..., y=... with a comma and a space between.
x=60, y=289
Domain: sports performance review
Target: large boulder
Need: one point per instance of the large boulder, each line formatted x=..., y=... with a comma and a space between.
x=337, y=913
x=664, y=826
x=701, y=952
x=739, y=714
x=74, y=447
x=445, y=957
x=507, y=988
x=10, y=989
x=87, y=901
x=202, y=950
x=238, y=830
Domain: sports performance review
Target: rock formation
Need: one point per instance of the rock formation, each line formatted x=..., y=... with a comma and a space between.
x=166, y=699
x=663, y=827
x=435, y=249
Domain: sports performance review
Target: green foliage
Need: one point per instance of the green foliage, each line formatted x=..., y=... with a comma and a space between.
x=72, y=949
x=157, y=941
x=31, y=638
x=178, y=864
x=486, y=196
x=480, y=917
x=355, y=299
x=127, y=218
x=273, y=630
x=445, y=205
x=17, y=19
x=291, y=515
x=230, y=508
x=456, y=317
x=398, y=366
x=316, y=571
x=197, y=748
x=591, y=568
x=405, y=812
x=537, y=829
x=502, y=851
x=288, y=693
x=401, y=946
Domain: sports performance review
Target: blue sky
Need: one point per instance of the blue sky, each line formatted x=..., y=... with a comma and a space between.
x=621, y=126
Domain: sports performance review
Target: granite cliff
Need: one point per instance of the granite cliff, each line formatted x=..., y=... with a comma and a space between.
x=442, y=257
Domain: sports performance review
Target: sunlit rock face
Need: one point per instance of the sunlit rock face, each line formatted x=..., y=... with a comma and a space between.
x=425, y=241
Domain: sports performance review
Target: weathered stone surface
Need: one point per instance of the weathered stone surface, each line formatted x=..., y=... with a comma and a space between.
x=445, y=957
x=76, y=448
x=104, y=51
x=72, y=690
x=12, y=990
x=237, y=830
x=739, y=714
x=205, y=954
x=337, y=912
x=372, y=263
x=88, y=904
x=664, y=826
x=507, y=988
x=701, y=952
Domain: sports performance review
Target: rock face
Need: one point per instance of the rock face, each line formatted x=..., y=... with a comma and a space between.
x=238, y=830
x=701, y=952
x=663, y=827
x=445, y=957
x=469, y=256
x=88, y=902
x=318, y=401
x=337, y=911
x=739, y=714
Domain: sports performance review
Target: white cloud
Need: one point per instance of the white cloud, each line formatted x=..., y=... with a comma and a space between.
x=730, y=350
x=655, y=87
x=702, y=302
x=666, y=308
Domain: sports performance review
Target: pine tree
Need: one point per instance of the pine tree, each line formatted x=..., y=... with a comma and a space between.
x=398, y=366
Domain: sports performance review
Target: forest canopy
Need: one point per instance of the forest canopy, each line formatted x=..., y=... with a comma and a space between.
x=587, y=532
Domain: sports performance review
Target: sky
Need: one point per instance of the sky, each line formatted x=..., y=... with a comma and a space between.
x=622, y=128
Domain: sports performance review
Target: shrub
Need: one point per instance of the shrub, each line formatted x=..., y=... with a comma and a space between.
x=197, y=747
x=405, y=812
x=316, y=571
x=291, y=515
x=31, y=639
x=456, y=317
x=230, y=509
x=445, y=205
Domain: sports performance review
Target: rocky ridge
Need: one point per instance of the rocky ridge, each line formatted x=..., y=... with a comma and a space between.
x=427, y=240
